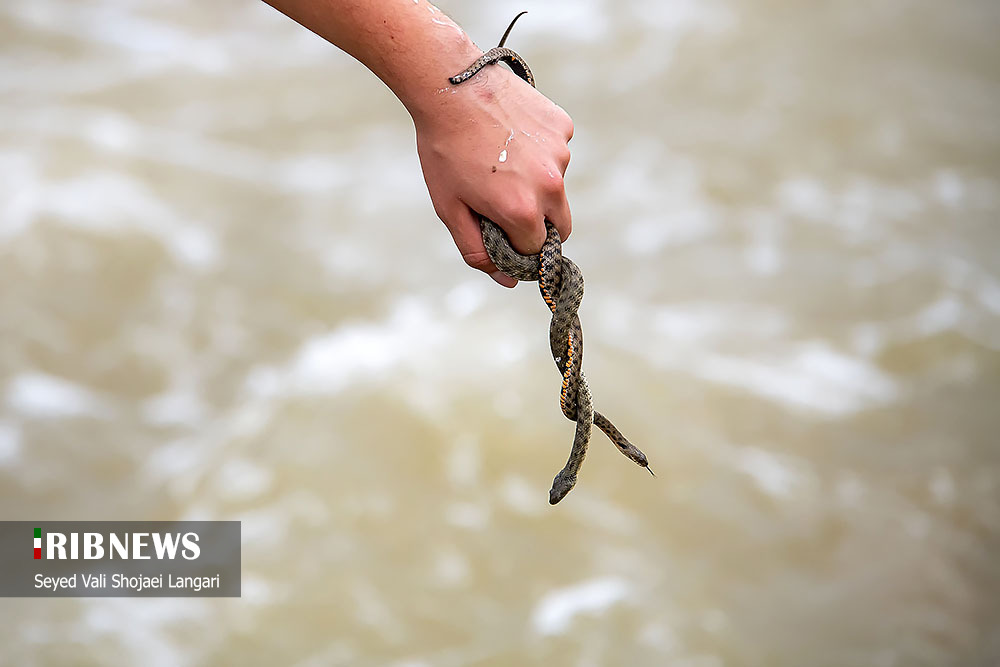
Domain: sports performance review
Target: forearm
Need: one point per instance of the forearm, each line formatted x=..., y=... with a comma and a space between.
x=410, y=45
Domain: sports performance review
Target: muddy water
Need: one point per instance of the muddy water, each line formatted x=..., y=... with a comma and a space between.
x=224, y=295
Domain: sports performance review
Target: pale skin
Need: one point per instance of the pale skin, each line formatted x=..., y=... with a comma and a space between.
x=493, y=145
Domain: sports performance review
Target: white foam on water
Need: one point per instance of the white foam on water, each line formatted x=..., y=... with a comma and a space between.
x=651, y=53
x=19, y=192
x=266, y=528
x=578, y=20
x=950, y=312
x=887, y=204
x=468, y=515
x=763, y=258
x=508, y=403
x=240, y=480
x=697, y=323
x=604, y=514
x=650, y=235
x=372, y=607
x=106, y=202
x=768, y=471
x=316, y=174
x=682, y=16
x=811, y=375
x=416, y=344
x=942, y=486
x=465, y=298
x=175, y=460
x=521, y=496
x=554, y=613
x=175, y=407
x=10, y=443
x=61, y=79
x=659, y=635
x=988, y=295
x=850, y=490
x=592, y=21
x=145, y=629
x=451, y=568
x=917, y=525
x=463, y=465
x=47, y=397
x=256, y=590
x=665, y=193
x=808, y=374
x=764, y=252
x=949, y=187
x=942, y=315
x=116, y=27
x=714, y=621
x=806, y=197
x=113, y=132
x=329, y=363
x=864, y=209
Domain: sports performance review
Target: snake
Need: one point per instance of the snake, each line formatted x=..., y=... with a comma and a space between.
x=560, y=282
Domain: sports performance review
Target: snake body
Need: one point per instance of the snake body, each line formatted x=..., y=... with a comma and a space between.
x=560, y=282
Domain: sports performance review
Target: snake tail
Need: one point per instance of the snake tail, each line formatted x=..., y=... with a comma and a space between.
x=506, y=33
x=497, y=54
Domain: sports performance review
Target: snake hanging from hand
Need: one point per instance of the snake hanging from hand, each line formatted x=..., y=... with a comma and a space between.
x=561, y=284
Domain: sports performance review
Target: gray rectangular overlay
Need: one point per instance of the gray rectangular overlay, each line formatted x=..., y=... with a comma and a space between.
x=120, y=559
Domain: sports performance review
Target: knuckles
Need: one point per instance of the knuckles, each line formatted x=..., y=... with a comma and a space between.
x=565, y=121
x=522, y=213
x=553, y=183
x=563, y=157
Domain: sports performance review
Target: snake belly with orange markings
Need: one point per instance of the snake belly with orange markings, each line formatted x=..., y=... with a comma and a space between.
x=561, y=284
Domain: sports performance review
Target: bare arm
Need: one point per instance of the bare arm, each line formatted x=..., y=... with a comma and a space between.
x=493, y=146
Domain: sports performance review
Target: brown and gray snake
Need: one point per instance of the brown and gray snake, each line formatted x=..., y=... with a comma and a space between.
x=561, y=284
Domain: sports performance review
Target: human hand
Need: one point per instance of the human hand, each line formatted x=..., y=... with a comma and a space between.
x=495, y=146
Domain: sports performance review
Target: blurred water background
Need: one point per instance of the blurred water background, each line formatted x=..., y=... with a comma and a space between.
x=224, y=295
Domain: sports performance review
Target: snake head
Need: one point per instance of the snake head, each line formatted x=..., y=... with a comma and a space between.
x=561, y=485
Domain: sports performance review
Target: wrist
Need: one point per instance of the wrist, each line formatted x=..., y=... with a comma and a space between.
x=423, y=86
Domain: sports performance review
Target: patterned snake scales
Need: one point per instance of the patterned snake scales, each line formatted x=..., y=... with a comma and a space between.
x=561, y=285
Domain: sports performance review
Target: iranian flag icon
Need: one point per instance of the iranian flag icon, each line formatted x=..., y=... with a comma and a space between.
x=38, y=543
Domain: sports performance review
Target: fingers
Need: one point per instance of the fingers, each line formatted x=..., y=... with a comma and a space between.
x=558, y=212
x=522, y=219
x=521, y=216
x=560, y=216
x=465, y=231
